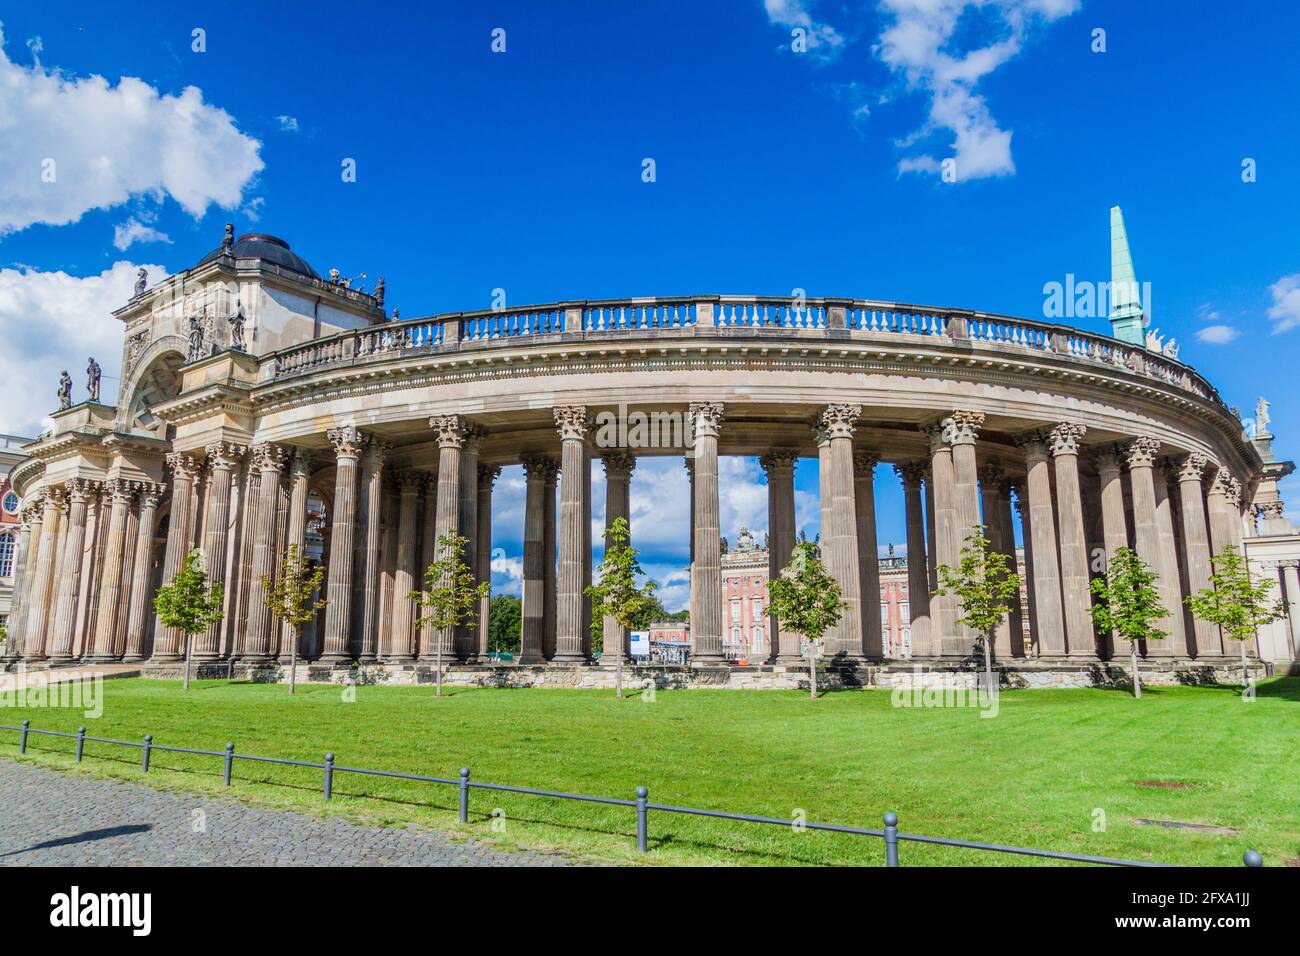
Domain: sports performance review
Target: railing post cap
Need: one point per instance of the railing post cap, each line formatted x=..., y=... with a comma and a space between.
x=27, y=723
x=230, y=745
x=891, y=819
x=81, y=730
x=642, y=793
x=149, y=738
x=1252, y=858
x=464, y=771
x=329, y=757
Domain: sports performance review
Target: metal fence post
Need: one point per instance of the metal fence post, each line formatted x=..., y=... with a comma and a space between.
x=329, y=775
x=641, y=828
x=891, y=839
x=1252, y=858
x=464, y=794
x=144, y=760
x=230, y=760
x=22, y=737
x=81, y=742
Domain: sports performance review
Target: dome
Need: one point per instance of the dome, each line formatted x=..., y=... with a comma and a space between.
x=256, y=245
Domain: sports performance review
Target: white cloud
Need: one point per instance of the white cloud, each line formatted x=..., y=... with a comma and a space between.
x=823, y=40
x=507, y=573
x=1217, y=334
x=288, y=124
x=918, y=44
x=50, y=321
x=1285, y=310
x=133, y=230
x=101, y=145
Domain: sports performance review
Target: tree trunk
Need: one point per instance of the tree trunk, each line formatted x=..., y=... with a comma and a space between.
x=437, y=670
x=812, y=676
x=186, y=682
x=618, y=679
x=293, y=658
x=1137, y=682
x=1245, y=673
x=988, y=665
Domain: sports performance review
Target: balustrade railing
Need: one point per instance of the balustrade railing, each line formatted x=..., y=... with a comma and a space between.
x=859, y=318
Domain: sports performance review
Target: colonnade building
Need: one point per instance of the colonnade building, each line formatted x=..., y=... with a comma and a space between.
x=251, y=386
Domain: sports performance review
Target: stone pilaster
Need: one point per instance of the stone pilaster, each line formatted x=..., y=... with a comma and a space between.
x=467, y=635
x=1114, y=523
x=946, y=636
x=1196, y=545
x=38, y=609
x=269, y=460
x=840, y=533
x=348, y=442
x=534, y=599
x=69, y=584
x=618, y=474
x=1291, y=582
x=550, y=545
x=451, y=433
x=24, y=552
x=110, y=599
x=184, y=469
x=401, y=635
x=1049, y=613
x=1170, y=575
x=368, y=552
x=779, y=466
x=1141, y=455
x=1021, y=505
x=918, y=573
x=864, y=503
x=706, y=571
x=487, y=478
x=137, y=624
x=223, y=460
x=300, y=465
x=1075, y=592
x=571, y=420
x=992, y=479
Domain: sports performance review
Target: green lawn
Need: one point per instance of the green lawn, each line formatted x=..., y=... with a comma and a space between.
x=1033, y=776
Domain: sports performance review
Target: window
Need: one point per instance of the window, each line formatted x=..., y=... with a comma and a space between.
x=12, y=503
x=905, y=612
x=6, y=555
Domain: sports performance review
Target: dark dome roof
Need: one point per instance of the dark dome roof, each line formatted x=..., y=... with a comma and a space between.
x=256, y=245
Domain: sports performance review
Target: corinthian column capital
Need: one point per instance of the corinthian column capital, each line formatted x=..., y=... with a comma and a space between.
x=269, y=457
x=840, y=421
x=992, y=475
x=347, y=441
x=224, y=455
x=962, y=427
x=911, y=472
x=706, y=418
x=1065, y=438
x=183, y=466
x=1035, y=444
x=865, y=461
x=778, y=462
x=571, y=421
x=1142, y=452
x=488, y=474
x=619, y=465
x=82, y=490
x=1222, y=483
x=1234, y=492
x=1192, y=467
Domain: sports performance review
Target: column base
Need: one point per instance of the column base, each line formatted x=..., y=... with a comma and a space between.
x=166, y=658
x=570, y=659
x=614, y=661
x=100, y=659
x=256, y=659
x=57, y=659
x=333, y=660
x=707, y=660
x=399, y=659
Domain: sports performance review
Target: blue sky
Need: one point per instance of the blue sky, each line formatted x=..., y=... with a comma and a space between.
x=775, y=170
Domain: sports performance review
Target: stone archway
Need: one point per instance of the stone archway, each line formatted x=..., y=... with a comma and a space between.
x=153, y=378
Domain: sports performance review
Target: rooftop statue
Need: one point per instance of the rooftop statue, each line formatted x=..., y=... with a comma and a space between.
x=65, y=389
x=229, y=239
x=745, y=542
x=1261, y=416
x=141, y=282
x=196, y=339
x=92, y=379
x=334, y=276
x=237, y=328
x=379, y=292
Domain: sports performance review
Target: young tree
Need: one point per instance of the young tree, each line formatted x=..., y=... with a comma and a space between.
x=1128, y=605
x=1235, y=603
x=617, y=594
x=290, y=599
x=986, y=584
x=806, y=600
x=188, y=604
x=450, y=596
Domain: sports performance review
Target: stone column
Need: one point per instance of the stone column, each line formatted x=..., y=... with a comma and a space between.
x=1075, y=593
x=1291, y=581
x=69, y=584
x=840, y=533
x=296, y=535
x=586, y=550
x=918, y=573
x=1026, y=527
x=428, y=551
x=111, y=587
x=184, y=469
x=487, y=478
x=1015, y=618
x=946, y=638
x=24, y=563
x=692, y=598
x=618, y=474
x=400, y=644
x=1114, y=523
x=992, y=481
x=38, y=609
x=1146, y=532
x=1171, y=578
x=269, y=460
x=931, y=556
x=128, y=571
x=1196, y=544
x=92, y=562
x=451, y=433
x=706, y=571
x=467, y=635
x=550, y=476
x=223, y=458
x=1221, y=515
x=348, y=442
x=137, y=624
x=864, y=502
x=962, y=429
x=368, y=553
x=533, y=626
x=1049, y=614
x=571, y=420
x=779, y=466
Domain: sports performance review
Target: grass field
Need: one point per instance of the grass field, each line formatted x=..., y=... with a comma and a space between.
x=1036, y=775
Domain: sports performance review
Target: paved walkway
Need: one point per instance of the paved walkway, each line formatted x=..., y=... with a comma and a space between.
x=26, y=679
x=51, y=818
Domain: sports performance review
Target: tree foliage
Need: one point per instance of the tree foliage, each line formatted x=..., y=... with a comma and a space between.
x=805, y=599
x=616, y=593
x=289, y=596
x=1128, y=602
x=1233, y=601
x=984, y=581
x=186, y=602
x=450, y=596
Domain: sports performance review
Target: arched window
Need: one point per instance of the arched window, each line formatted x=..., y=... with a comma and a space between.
x=6, y=555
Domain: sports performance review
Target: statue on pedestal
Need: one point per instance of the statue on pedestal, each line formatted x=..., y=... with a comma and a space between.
x=229, y=239
x=379, y=292
x=141, y=282
x=1261, y=416
x=65, y=389
x=237, y=328
x=92, y=379
x=196, y=339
